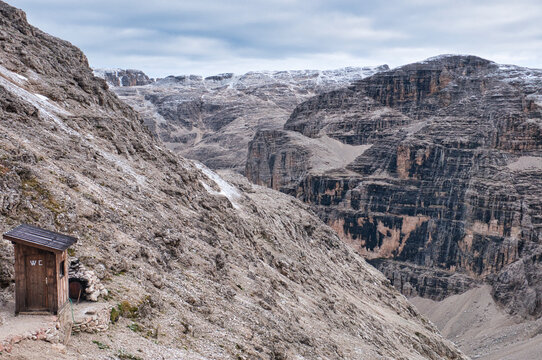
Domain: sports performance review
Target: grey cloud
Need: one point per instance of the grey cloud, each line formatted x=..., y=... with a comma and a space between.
x=166, y=36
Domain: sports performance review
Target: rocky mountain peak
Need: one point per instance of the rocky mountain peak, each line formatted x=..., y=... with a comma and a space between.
x=466, y=65
x=451, y=61
x=16, y=18
x=220, y=77
x=411, y=86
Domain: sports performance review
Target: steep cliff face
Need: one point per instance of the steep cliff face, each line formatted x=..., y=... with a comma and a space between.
x=451, y=178
x=212, y=119
x=215, y=269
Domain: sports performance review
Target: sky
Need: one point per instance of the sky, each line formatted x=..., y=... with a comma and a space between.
x=206, y=37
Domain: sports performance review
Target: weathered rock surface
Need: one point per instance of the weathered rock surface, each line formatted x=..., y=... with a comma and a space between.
x=212, y=119
x=197, y=266
x=451, y=179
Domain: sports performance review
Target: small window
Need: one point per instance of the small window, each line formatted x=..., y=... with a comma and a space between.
x=62, y=266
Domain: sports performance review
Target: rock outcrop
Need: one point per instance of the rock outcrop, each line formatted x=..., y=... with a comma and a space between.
x=121, y=77
x=212, y=119
x=198, y=266
x=449, y=180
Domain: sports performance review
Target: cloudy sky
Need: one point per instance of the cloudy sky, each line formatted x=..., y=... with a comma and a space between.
x=163, y=37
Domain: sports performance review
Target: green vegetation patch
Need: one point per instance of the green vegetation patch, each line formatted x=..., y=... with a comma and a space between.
x=128, y=310
x=101, y=346
x=123, y=355
x=135, y=327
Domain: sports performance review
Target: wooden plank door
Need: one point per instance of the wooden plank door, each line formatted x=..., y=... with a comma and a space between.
x=37, y=281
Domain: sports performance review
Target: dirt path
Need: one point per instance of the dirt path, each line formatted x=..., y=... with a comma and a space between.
x=12, y=325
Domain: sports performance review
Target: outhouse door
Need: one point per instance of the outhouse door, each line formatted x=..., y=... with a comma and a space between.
x=37, y=282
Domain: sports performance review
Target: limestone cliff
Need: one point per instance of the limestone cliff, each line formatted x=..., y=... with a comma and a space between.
x=449, y=179
x=197, y=266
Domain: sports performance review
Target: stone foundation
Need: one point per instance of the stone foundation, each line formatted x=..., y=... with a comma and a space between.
x=93, y=288
x=92, y=319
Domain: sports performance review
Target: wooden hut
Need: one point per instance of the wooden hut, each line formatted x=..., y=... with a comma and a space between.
x=41, y=269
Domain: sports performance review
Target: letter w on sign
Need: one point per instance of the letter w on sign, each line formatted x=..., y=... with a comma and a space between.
x=33, y=262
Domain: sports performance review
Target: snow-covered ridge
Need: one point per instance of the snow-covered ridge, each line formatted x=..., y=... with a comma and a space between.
x=528, y=76
x=344, y=75
x=442, y=57
x=123, y=77
x=258, y=78
x=102, y=72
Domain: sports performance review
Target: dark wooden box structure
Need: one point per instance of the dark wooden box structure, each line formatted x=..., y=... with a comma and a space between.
x=41, y=269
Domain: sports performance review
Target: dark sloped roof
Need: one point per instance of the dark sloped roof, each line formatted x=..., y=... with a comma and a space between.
x=32, y=235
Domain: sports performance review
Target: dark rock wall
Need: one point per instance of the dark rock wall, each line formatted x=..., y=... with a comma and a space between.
x=277, y=162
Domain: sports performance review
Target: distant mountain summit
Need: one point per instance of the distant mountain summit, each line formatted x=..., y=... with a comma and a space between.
x=121, y=77
x=212, y=119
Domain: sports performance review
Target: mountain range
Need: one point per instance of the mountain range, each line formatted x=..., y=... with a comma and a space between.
x=214, y=266
x=432, y=171
x=213, y=119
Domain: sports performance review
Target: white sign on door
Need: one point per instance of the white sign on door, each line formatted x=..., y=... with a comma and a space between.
x=33, y=262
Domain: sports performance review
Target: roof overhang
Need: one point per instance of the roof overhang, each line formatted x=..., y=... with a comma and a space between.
x=33, y=236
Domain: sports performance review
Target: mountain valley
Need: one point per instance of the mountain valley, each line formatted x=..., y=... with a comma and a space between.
x=432, y=172
x=212, y=119
x=205, y=265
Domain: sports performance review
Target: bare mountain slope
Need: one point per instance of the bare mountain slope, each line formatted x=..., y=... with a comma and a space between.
x=481, y=328
x=212, y=119
x=215, y=269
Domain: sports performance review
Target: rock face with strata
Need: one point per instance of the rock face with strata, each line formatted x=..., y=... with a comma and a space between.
x=450, y=178
x=212, y=119
x=198, y=265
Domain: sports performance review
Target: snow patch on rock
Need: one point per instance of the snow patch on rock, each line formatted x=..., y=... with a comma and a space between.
x=46, y=108
x=12, y=76
x=42, y=97
x=226, y=189
x=122, y=165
